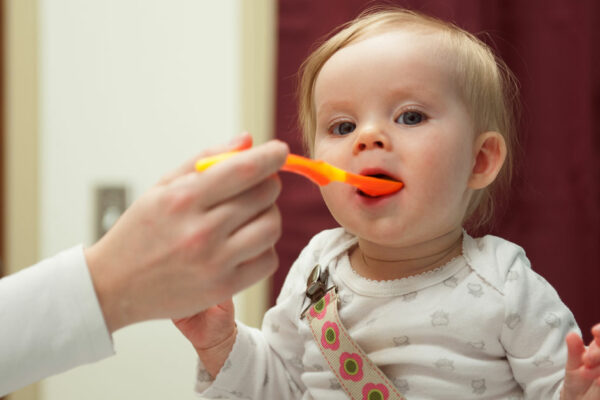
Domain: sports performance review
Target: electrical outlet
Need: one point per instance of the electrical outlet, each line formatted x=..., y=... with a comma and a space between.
x=111, y=202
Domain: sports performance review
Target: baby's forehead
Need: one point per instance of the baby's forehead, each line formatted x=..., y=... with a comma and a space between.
x=435, y=37
x=412, y=43
x=408, y=53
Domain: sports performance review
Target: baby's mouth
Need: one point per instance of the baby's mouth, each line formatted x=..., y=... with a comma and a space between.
x=378, y=176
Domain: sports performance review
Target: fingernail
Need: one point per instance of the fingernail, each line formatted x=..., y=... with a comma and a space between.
x=282, y=145
x=237, y=139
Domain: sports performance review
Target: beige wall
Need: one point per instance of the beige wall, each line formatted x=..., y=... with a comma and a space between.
x=259, y=23
x=26, y=141
x=21, y=129
x=21, y=136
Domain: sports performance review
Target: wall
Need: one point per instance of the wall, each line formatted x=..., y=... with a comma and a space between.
x=21, y=147
x=127, y=91
x=21, y=124
x=259, y=38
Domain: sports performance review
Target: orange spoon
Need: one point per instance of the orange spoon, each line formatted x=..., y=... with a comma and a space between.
x=320, y=173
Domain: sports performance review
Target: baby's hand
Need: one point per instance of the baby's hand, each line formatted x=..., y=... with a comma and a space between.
x=212, y=333
x=582, y=372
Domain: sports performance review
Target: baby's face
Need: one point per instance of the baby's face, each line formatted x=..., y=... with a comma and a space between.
x=389, y=105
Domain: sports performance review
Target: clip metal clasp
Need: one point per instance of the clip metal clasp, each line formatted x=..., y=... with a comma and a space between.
x=316, y=286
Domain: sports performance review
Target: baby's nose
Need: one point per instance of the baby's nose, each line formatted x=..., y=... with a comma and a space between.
x=370, y=139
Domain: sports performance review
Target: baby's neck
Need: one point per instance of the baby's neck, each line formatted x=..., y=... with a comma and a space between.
x=381, y=263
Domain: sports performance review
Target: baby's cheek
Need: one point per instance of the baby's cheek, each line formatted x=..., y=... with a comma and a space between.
x=442, y=191
x=447, y=170
x=334, y=199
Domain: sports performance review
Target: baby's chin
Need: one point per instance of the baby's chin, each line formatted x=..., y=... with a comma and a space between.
x=391, y=236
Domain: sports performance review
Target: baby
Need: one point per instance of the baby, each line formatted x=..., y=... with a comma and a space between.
x=441, y=314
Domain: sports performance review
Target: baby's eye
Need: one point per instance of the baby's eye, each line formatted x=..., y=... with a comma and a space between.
x=411, y=118
x=343, y=128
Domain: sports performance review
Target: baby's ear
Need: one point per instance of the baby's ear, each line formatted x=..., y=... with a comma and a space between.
x=489, y=155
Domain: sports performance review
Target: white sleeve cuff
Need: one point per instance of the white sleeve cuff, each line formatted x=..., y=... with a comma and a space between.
x=229, y=381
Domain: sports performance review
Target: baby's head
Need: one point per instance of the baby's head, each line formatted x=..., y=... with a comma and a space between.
x=484, y=85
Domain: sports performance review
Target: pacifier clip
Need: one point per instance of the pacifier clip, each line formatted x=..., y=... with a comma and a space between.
x=360, y=378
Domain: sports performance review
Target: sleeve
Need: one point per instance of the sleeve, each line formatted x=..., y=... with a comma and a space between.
x=536, y=324
x=252, y=371
x=50, y=321
x=267, y=364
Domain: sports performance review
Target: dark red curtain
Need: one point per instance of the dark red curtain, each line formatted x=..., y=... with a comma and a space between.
x=553, y=46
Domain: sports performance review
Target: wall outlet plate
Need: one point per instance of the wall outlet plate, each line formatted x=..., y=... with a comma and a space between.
x=111, y=202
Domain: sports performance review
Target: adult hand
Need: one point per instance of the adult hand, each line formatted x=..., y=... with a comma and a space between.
x=193, y=240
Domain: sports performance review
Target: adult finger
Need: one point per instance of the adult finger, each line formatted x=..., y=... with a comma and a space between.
x=243, y=275
x=252, y=271
x=240, y=142
x=576, y=349
x=230, y=215
x=255, y=237
x=239, y=173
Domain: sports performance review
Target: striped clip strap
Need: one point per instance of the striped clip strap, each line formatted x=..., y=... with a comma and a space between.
x=357, y=374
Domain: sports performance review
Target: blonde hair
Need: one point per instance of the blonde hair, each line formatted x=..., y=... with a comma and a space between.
x=486, y=85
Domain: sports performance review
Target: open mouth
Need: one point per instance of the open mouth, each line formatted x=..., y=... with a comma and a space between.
x=363, y=194
x=378, y=176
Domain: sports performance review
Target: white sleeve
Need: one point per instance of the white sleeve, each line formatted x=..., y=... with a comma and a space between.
x=50, y=321
x=252, y=371
x=267, y=364
x=536, y=323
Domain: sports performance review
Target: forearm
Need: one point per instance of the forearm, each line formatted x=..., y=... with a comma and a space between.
x=121, y=301
x=50, y=320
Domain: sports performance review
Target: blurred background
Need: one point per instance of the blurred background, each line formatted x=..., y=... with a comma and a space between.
x=101, y=97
